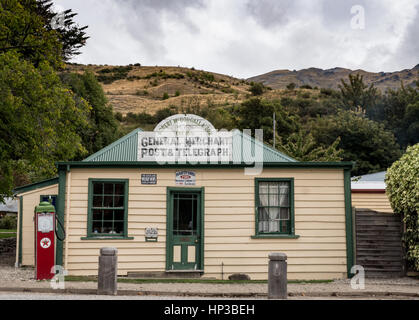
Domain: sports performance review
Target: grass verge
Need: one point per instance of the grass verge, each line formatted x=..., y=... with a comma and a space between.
x=7, y=233
x=215, y=281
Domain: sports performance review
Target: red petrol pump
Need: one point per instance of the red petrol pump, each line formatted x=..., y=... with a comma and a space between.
x=44, y=240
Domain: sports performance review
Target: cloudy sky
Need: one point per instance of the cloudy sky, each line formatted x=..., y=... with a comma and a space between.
x=244, y=38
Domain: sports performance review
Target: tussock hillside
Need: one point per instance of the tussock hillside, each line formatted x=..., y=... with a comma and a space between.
x=136, y=88
x=330, y=78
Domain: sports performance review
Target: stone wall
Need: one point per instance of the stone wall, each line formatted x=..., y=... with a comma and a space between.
x=7, y=251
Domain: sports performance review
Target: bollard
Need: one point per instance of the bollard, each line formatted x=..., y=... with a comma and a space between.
x=107, y=277
x=277, y=276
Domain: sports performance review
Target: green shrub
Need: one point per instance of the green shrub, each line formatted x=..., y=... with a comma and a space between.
x=8, y=222
x=402, y=181
x=165, y=96
x=118, y=116
x=256, y=88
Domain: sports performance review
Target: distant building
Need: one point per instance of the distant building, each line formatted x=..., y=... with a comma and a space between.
x=8, y=208
x=369, y=192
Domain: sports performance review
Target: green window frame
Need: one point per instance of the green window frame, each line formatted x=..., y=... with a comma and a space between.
x=275, y=228
x=107, y=209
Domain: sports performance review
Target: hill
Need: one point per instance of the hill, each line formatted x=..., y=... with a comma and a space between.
x=330, y=78
x=136, y=88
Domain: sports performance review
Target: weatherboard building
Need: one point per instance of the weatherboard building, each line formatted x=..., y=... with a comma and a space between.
x=188, y=198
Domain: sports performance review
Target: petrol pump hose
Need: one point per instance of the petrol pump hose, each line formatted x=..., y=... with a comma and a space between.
x=56, y=229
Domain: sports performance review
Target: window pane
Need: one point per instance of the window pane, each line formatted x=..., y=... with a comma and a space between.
x=97, y=226
x=273, y=200
x=118, y=201
x=118, y=214
x=108, y=215
x=97, y=201
x=108, y=201
x=285, y=214
x=119, y=188
x=108, y=188
x=263, y=214
x=274, y=188
x=284, y=200
x=97, y=214
x=118, y=226
x=97, y=187
x=284, y=187
x=263, y=187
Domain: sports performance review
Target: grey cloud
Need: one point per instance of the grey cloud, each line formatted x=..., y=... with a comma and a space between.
x=272, y=13
x=143, y=20
x=338, y=12
x=407, y=55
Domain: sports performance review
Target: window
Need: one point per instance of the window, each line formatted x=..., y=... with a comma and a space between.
x=274, y=206
x=51, y=199
x=107, y=216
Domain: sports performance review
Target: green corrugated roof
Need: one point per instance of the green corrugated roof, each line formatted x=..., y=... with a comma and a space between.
x=126, y=149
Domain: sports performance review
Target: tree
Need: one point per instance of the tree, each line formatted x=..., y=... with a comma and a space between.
x=303, y=147
x=26, y=27
x=257, y=113
x=71, y=35
x=399, y=111
x=38, y=121
x=364, y=141
x=356, y=94
x=102, y=128
x=402, y=180
x=256, y=88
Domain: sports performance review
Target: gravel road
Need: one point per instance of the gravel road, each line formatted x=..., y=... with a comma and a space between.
x=24, y=278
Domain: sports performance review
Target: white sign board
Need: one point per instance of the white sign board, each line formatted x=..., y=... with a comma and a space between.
x=185, y=139
x=185, y=178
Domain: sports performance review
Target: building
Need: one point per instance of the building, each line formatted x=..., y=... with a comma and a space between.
x=211, y=218
x=8, y=208
x=369, y=192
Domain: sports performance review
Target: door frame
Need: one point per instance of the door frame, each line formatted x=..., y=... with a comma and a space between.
x=169, y=224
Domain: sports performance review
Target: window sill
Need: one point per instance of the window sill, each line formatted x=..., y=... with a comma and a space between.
x=275, y=236
x=107, y=238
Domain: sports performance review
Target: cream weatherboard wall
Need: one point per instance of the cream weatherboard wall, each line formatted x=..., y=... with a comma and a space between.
x=377, y=201
x=29, y=201
x=229, y=223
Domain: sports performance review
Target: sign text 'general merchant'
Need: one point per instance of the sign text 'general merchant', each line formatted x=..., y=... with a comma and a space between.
x=196, y=147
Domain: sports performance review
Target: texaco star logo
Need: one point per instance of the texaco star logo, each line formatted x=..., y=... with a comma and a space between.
x=45, y=243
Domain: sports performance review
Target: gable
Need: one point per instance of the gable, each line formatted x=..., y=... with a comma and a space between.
x=126, y=150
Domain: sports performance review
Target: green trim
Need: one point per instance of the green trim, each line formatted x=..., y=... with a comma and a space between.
x=348, y=222
x=62, y=176
x=19, y=259
x=36, y=185
x=147, y=164
x=275, y=236
x=169, y=223
x=290, y=234
x=106, y=238
x=101, y=236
